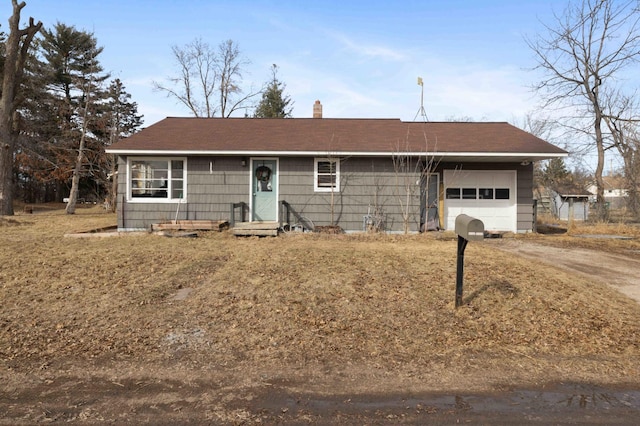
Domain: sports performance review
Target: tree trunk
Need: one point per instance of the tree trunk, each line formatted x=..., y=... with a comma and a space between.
x=632, y=176
x=77, y=170
x=75, y=181
x=601, y=210
x=16, y=48
x=7, y=107
x=6, y=168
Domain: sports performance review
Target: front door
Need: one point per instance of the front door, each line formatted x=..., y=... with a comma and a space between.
x=264, y=190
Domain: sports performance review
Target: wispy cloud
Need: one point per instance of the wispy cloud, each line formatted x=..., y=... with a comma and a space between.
x=371, y=51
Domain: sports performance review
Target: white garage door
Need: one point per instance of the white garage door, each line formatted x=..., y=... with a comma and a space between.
x=486, y=195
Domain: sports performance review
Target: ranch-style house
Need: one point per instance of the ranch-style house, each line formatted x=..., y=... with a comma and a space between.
x=349, y=173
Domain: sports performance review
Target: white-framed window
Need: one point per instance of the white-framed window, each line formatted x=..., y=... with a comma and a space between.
x=326, y=175
x=157, y=180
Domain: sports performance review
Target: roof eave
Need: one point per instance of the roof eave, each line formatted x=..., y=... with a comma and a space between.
x=493, y=156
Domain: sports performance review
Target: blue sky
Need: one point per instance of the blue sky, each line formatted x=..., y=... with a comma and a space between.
x=360, y=59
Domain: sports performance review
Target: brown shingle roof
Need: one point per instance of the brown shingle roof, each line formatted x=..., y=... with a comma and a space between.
x=308, y=135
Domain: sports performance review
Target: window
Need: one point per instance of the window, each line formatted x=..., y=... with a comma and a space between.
x=485, y=193
x=453, y=193
x=502, y=193
x=468, y=193
x=157, y=179
x=480, y=193
x=327, y=175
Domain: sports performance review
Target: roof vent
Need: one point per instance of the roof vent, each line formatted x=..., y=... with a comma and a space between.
x=317, y=110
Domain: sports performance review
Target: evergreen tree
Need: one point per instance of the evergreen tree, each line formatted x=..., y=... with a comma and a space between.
x=68, y=132
x=555, y=173
x=68, y=119
x=273, y=103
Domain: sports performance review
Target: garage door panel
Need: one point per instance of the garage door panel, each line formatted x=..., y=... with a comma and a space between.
x=497, y=214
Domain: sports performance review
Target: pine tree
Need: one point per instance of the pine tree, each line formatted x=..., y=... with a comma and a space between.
x=74, y=81
x=555, y=173
x=273, y=103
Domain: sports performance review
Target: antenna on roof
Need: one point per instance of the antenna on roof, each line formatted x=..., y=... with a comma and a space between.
x=421, y=112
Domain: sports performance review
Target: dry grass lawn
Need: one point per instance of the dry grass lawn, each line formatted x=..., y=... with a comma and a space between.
x=325, y=313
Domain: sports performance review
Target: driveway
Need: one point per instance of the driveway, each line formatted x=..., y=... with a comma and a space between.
x=619, y=271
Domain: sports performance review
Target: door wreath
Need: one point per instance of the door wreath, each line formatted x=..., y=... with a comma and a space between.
x=263, y=173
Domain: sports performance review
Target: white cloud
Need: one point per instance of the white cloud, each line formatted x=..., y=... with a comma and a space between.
x=368, y=50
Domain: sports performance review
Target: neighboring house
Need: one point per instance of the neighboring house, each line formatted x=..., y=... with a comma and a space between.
x=570, y=202
x=615, y=191
x=331, y=171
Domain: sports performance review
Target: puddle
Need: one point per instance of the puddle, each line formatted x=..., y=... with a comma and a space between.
x=572, y=404
x=561, y=400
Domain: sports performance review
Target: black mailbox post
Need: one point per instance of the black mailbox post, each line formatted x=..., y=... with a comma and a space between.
x=467, y=229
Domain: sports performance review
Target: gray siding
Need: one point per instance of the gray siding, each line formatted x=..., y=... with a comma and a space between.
x=364, y=184
x=525, y=198
x=214, y=183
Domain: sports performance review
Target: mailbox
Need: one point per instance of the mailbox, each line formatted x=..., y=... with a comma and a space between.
x=469, y=228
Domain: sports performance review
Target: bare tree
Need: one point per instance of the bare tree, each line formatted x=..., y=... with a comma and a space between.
x=16, y=50
x=195, y=85
x=585, y=51
x=623, y=126
x=410, y=171
x=206, y=74
x=406, y=169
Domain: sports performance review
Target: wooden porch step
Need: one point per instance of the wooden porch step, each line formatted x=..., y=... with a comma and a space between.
x=260, y=229
x=191, y=225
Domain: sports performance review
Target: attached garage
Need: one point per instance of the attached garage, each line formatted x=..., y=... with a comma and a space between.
x=487, y=195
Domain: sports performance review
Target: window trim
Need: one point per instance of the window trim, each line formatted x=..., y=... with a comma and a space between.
x=168, y=199
x=316, y=174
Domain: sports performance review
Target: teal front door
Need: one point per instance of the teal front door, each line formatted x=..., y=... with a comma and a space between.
x=264, y=190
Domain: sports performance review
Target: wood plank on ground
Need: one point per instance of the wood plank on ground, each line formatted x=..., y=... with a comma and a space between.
x=191, y=225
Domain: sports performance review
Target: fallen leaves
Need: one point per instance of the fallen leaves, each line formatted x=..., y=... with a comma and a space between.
x=383, y=301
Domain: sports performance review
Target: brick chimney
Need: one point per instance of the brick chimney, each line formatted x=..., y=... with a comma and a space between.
x=317, y=110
